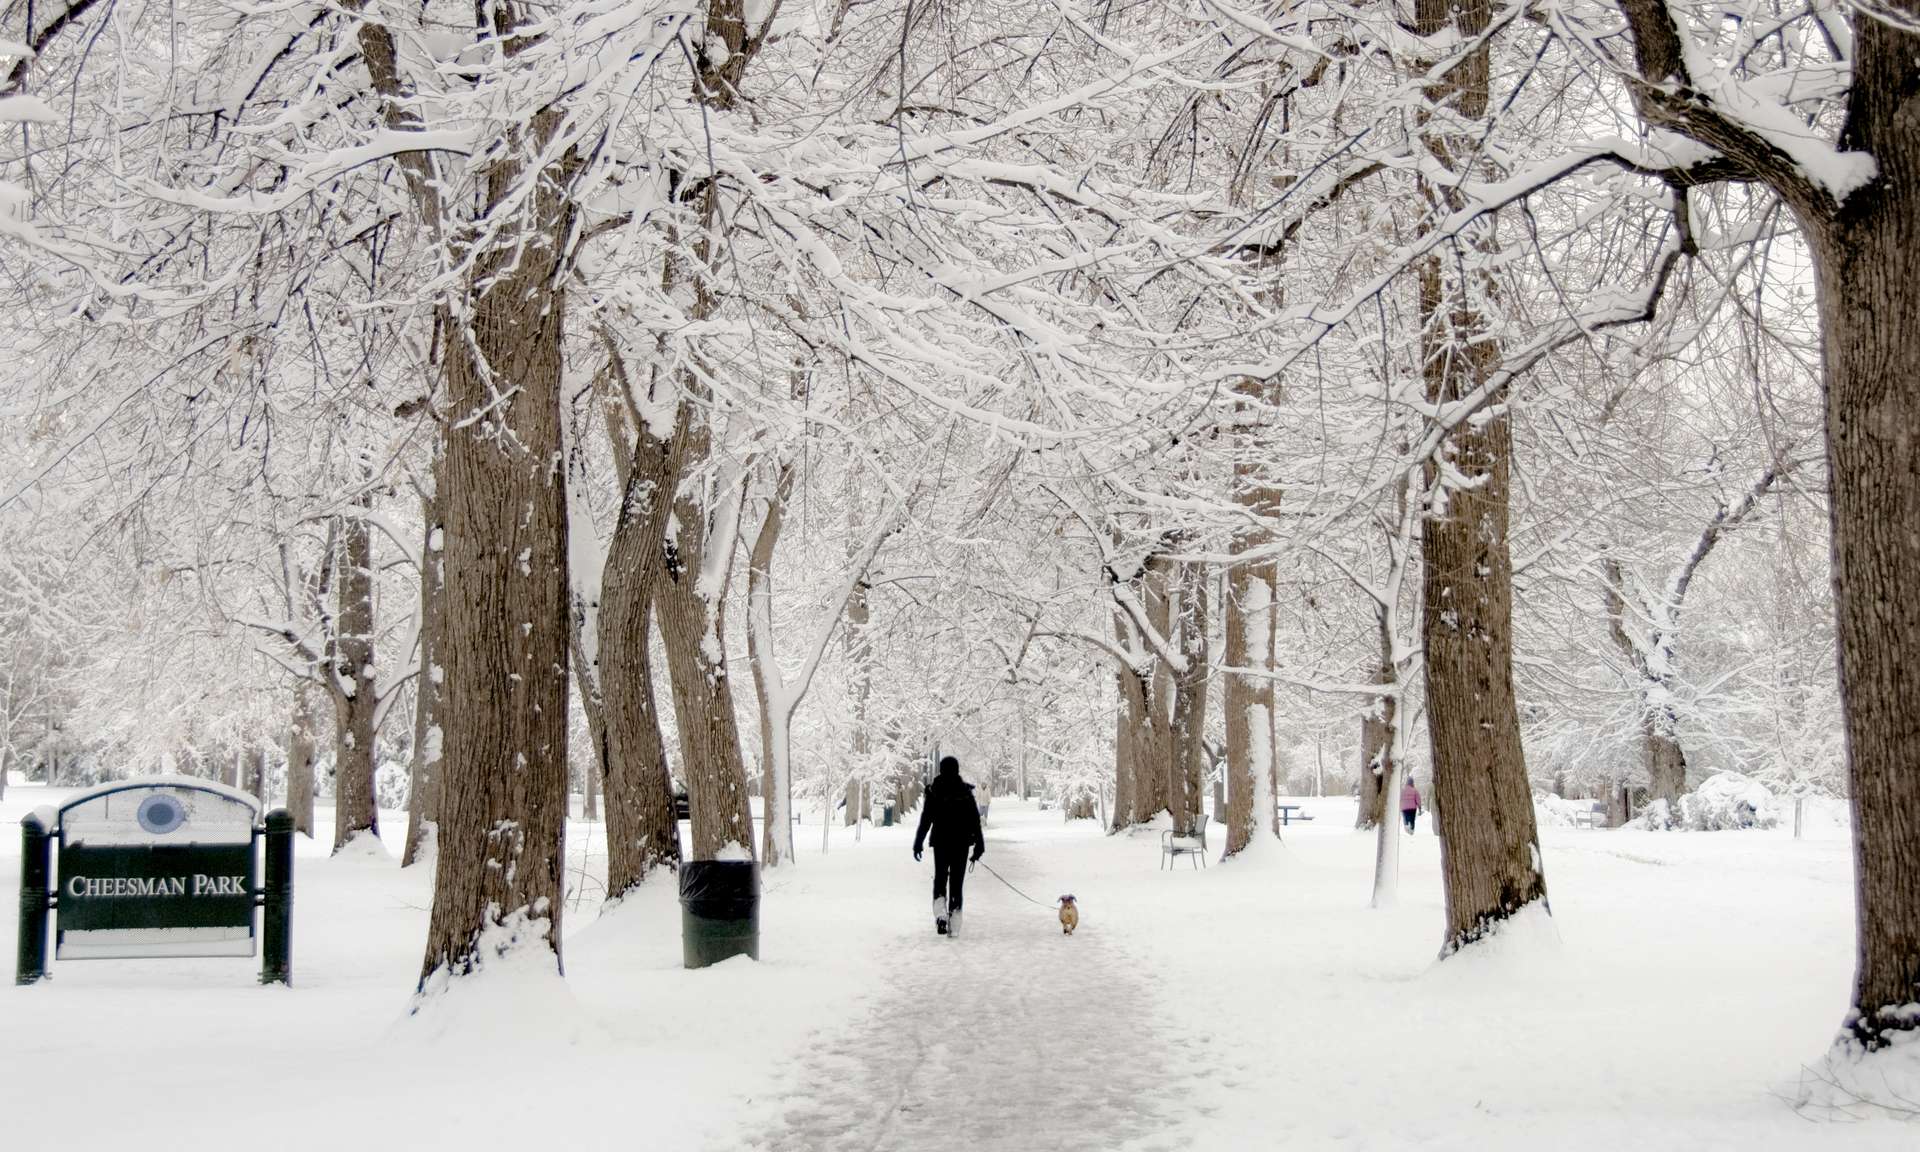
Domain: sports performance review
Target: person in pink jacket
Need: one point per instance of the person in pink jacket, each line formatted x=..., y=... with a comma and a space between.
x=1409, y=803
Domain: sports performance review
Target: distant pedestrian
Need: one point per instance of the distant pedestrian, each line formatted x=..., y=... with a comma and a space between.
x=950, y=812
x=1409, y=803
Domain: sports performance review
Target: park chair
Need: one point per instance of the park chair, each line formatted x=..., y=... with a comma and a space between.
x=1195, y=845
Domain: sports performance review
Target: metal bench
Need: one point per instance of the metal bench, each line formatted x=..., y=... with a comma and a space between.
x=1195, y=845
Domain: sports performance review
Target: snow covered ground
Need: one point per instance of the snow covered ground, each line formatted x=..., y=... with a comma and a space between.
x=1671, y=1003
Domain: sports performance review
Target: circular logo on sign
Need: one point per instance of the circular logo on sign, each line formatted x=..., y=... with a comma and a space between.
x=160, y=814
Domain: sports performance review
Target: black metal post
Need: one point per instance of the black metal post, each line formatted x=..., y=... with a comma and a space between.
x=36, y=871
x=276, y=930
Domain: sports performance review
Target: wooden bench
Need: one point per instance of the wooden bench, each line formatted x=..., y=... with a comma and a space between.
x=1173, y=846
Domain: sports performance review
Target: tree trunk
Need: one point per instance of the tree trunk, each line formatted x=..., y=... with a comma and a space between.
x=860, y=684
x=1249, y=700
x=642, y=831
x=1153, y=759
x=355, y=684
x=769, y=687
x=692, y=626
x=301, y=740
x=1666, y=763
x=1377, y=739
x=1376, y=760
x=502, y=858
x=1190, y=700
x=1375, y=766
x=429, y=739
x=691, y=601
x=1131, y=723
x=1386, y=846
x=1490, y=852
x=257, y=775
x=1867, y=263
x=1661, y=756
x=1126, y=718
x=592, y=707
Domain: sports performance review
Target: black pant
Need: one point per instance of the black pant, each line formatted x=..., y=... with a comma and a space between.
x=949, y=875
x=1409, y=814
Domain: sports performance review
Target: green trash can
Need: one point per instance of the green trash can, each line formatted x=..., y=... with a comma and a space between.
x=886, y=816
x=719, y=911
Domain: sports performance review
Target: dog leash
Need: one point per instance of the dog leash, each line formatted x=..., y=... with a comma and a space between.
x=1009, y=885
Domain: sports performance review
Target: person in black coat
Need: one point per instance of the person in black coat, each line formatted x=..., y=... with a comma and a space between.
x=950, y=812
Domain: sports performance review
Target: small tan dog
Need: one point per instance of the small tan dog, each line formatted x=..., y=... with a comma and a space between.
x=1069, y=915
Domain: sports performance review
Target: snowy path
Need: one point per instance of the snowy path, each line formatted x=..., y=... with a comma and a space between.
x=1010, y=1037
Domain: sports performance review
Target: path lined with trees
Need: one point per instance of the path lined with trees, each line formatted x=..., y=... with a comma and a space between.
x=1096, y=383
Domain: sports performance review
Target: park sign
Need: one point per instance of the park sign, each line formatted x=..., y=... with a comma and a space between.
x=156, y=867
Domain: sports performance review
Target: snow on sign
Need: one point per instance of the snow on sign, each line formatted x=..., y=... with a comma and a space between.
x=163, y=866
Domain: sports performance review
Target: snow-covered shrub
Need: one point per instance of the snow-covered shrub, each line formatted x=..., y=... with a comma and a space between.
x=1657, y=816
x=1725, y=802
x=1551, y=811
x=1729, y=800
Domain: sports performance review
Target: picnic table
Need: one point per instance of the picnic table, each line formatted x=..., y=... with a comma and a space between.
x=1288, y=814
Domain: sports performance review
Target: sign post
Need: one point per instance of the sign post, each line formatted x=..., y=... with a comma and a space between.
x=157, y=867
x=36, y=842
x=276, y=897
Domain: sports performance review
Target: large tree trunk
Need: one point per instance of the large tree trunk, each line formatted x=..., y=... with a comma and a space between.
x=691, y=601
x=429, y=736
x=1253, y=757
x=697, y=561
x=500, y=879
x=692, y=626
x=1189, y=727
x=642, y=831
x=1867, y=260
x=355, y=685
x=301, y=741
x=1490, y=851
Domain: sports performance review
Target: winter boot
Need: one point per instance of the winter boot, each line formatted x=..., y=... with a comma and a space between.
x=953, y=922
x=940, y=915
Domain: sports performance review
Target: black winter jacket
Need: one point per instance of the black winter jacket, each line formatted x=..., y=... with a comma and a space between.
x=949, y=810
